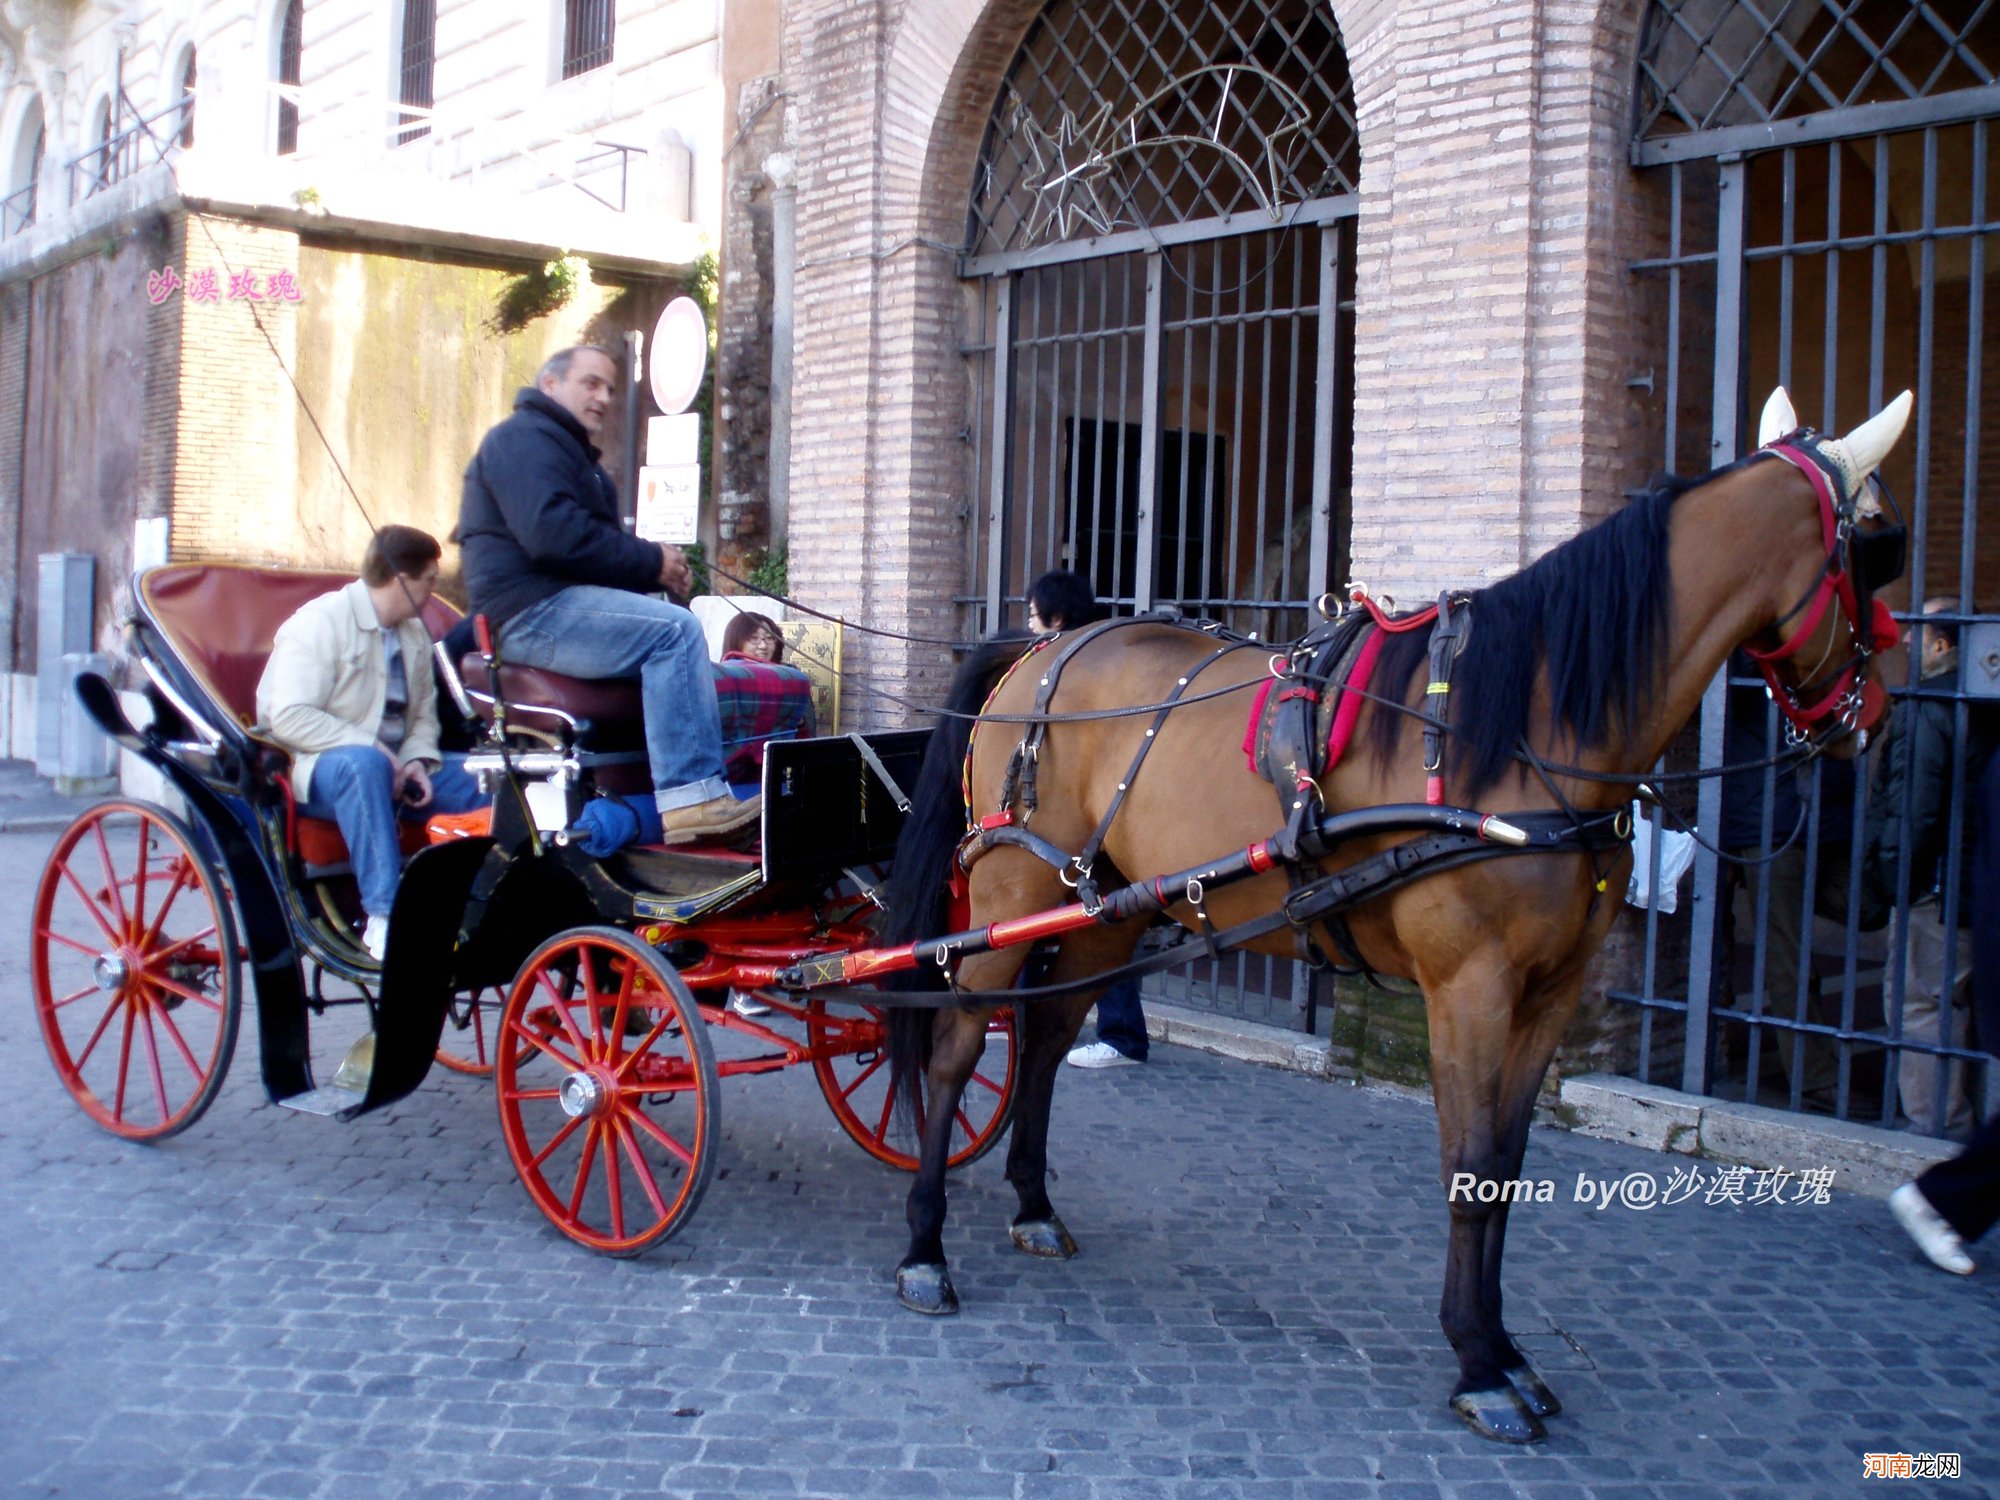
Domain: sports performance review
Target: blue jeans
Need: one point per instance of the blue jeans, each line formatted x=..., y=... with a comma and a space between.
x=1121, y=1020
x=354, y=787
x=592, y=632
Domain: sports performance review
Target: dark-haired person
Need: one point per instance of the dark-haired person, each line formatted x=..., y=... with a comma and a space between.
x=348, y=690
x=568, y=589
x=1062, y=600
x=753, y=637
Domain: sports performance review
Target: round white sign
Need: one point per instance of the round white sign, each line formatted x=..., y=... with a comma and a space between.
x=680, y=355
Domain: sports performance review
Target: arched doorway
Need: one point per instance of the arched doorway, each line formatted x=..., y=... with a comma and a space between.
x=1159, y=253
x=1822, y=177
x=1160, y=266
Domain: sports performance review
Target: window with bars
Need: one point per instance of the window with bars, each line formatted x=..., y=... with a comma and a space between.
x=588, y=28
x=1712, y=64
x=291, y=50
x=418, y=67
x=1129, y=114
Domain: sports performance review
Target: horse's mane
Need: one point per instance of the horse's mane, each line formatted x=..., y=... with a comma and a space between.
x=1594, y=611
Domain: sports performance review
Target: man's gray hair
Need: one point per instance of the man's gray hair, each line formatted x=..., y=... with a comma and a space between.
x=556, y=366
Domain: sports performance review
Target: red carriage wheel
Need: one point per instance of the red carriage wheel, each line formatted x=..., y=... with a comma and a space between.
x=471, y=1022
x=851, y=1061
x=614, y=1136
x=137, y=978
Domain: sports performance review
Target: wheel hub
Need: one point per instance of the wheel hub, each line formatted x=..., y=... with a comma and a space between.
x=583, y=1094
x=111, y=971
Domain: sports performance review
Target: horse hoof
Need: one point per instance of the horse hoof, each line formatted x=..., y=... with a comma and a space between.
x=1533, y=1391
x=927, y=1290
x=1498, y=1414
x=1044, y=1237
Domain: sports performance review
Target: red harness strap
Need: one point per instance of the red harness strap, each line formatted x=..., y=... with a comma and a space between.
x=1835, y=583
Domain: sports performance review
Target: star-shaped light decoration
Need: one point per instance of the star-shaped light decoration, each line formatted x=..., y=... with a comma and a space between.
x=1065, y=172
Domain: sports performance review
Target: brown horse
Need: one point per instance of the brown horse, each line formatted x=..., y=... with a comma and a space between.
x=1596, y=655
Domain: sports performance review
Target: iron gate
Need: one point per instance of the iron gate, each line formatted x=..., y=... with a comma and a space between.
x=1160, y=271
x=1847, y=263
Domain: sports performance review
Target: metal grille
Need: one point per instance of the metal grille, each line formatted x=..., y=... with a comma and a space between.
x=419, y=64
x=291, y=49
x=1175, y=425
x=1706, y=65
x=588, y=26
x=1134, y=113
x=1845, y=270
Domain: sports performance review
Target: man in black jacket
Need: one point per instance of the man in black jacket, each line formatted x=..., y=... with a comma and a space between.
x=567, y=589
x=1918, y=784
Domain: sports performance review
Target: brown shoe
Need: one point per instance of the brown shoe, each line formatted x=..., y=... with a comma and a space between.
x=718, y=818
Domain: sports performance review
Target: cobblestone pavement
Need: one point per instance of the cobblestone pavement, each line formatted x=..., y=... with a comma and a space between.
x=277, y=1305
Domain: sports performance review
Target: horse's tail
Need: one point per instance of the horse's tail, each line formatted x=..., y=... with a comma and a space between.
x=917, y=890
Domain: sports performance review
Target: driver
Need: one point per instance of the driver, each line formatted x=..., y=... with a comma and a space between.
x=567, y=589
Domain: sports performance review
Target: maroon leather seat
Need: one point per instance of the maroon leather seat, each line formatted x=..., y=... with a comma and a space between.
x=606, y=700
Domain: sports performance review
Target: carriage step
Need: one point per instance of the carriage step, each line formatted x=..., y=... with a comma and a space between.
x=330, y=1100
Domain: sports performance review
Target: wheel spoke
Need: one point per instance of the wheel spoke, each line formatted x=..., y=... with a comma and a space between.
x=111, y=1009
x=618, y=1011
x=111, y=873
x=546, y=1044
x=180, y=945
x=583, y=1171
x=660, y=1133
x=888, y=1111
x=614, y=1188
x=124, y=1066
x=568, y=1130
x=139, y=882
x=622, y=1127
x=175, y=987
x=88, y=989
x=862, y=1077
x=90, y=903
x=568, y=1021
x=987, y=1083
x=180, y=1042
x=631, y=1059
x=183, y=870
x=153, y=1066
x=49, y=934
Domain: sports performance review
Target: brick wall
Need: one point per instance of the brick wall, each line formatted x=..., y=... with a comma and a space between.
x=235, y=463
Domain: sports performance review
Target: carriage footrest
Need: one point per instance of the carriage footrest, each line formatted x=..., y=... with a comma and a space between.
x=329, y=1100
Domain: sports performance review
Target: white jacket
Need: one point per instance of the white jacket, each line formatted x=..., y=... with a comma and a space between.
x=326, y=683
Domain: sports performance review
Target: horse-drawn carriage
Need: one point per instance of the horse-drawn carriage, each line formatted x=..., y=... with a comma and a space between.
x=1125, y=746
x=587, y=986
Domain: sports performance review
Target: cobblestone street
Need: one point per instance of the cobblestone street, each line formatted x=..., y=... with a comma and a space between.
x=277, y=1305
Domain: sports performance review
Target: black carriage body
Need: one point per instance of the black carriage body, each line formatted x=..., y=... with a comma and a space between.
x=470, y=911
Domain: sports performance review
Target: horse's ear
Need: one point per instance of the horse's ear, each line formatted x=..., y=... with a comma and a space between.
x=1870, y=443
x=1778, y=418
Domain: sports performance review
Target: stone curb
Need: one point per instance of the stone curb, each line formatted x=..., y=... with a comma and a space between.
x=1866, y=1159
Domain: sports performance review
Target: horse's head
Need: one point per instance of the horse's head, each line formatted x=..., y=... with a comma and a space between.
x=1821, y=669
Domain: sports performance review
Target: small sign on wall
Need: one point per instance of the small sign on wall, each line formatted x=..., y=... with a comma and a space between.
x=669, y=504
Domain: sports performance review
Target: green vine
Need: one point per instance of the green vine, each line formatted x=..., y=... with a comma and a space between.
x=536, y=294
x=770, y=572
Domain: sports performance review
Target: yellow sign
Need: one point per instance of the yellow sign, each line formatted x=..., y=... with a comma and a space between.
x=813, y=646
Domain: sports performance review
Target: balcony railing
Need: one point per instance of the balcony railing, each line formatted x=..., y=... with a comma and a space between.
x=17, y=211
x=135, y=142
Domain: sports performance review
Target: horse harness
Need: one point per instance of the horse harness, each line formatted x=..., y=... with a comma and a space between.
x=1313, y=698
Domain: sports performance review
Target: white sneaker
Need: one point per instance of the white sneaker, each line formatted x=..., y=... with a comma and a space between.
x=747, y=1005
x=1099, y=1055
x=375, y=937
x=1936, y=1238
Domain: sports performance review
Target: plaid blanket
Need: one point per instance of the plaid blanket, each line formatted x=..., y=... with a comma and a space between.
x=760, y=702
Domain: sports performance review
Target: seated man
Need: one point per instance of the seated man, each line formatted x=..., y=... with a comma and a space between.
x=567, y=588
x=348, y=690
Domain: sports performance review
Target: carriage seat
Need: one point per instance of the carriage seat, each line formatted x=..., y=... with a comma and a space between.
x=592, y=701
